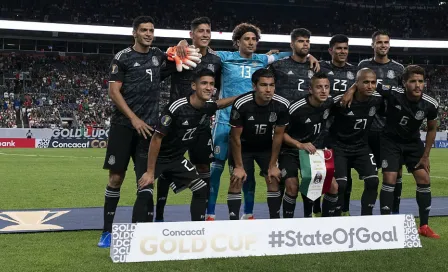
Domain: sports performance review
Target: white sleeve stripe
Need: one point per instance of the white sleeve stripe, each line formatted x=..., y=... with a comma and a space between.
x=430, y=100
x=242, y=100
x=177, y=104
x=295, y=107
x=281, y=100
x=118, y=55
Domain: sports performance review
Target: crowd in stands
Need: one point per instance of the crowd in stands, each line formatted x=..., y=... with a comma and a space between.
x=321, y=17
x=72, y=91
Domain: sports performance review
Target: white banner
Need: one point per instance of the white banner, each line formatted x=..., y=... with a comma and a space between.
x=146, y=242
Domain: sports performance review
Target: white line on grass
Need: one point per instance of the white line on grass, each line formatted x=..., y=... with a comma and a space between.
x=48, y=156
x=407, y=174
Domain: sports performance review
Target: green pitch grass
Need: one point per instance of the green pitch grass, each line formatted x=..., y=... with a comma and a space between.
x=67, y=178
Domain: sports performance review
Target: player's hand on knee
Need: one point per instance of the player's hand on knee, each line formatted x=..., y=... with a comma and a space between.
x=145, y=180
x=424, y=162
x=142, y=128
x=238, y=175
x=309, y=147
x=274, y=174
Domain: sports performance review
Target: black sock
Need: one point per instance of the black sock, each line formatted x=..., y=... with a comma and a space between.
x=234, y=204
x=289, y=205
x=206, y=178
x=274, y=203
x=111, y=198
x=369, y=195
x=150, y=206
x=397, y=195
x=423, y=196
x=387, y=198
x=329, y=204
x=347, y=194
x=342, y=187
x=199, y=200
x=163, y=187
x=316, y=206
x=281, y=188
x=307, y=206
x=140, y=211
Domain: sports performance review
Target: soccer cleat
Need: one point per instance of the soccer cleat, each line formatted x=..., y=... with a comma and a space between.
x=210, y=217
x=347, y=213
x=159, y=220
x=248, y=216
x=104, y=240
x=426, y=231
x=319, y=214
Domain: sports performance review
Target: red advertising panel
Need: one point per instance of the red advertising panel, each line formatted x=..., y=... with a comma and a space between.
x=17, y=143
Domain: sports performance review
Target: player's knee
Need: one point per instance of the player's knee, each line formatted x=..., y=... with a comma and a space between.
x=116, y=179
x=203, y=168
x=342, y=184
x=218, y=163
x=145, y=193
x=235, y=187
x=273, y=186
x=371, y=183
x=389, y=177
x=334, y=187
x=421, y=176
x=291, y=185
x=199, y=189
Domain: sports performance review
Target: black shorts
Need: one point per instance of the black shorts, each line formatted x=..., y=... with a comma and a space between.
x=180, y=172
x=124, y=143
x=362, y=160
x=395, y=153
x=262, y=158
x=201, y=151
x=289, y=163
x=374, y=140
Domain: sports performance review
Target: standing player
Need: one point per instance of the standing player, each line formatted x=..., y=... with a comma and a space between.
x=175, y=133
x=349, y=133
x=201, y=152
x=134, y=89
x=342, y=76
x=258, y=121
x=388, y=72
x=406, y=110
x=307, y=121
x=237, y=70
x=293, y=76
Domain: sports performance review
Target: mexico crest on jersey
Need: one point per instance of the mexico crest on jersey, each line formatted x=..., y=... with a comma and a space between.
x=350, y=75
x=390, y=74
x=326, y=113
x=310, y=73
x=211, y=67
x=420, y=115
x=372, y=111
x=155, y=61
x=273, y=117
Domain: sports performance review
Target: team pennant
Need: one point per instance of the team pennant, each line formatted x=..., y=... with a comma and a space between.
x=317, y=171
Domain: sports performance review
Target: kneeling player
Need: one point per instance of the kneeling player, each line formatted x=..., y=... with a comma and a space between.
x=175, y=132
x=305, y=131
x=349, y=135
x=254, y=117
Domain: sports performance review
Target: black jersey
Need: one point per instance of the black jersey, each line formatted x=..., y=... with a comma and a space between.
x=140, y=75
x=181, y=82
x=405, y=117
x=307, y=123
x=350, y=126
x=292, y=78
x=388, y=74
x=258, y=121
x=179, y=122
x=341, y=78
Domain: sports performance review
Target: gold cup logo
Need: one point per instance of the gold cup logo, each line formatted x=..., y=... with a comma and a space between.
x=31, y=220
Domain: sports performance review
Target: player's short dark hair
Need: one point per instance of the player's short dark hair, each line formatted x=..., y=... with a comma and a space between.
x=203, y=72
x=242, y=29
x=379, y=32
x=318, y=75
x=141, y=20
x=300, y=32
x=263, y=72
x=199, y=21
x=411, y=70
x=338, y=38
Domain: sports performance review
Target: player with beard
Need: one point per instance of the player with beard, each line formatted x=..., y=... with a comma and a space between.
x=342, y=76
x=388, y=72
x=135, y=75
x=237, y=70
x=201, y=152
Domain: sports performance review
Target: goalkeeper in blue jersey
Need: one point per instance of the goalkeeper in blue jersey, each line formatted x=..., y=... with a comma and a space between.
x=237, y=70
